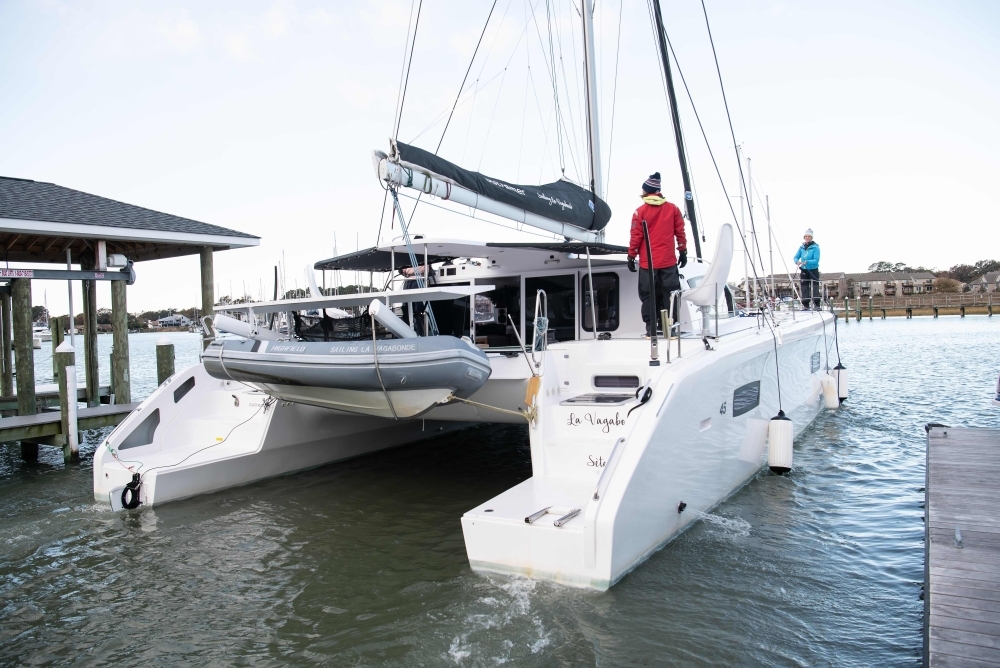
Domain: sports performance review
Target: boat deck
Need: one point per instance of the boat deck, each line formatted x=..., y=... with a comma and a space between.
x=962, y=583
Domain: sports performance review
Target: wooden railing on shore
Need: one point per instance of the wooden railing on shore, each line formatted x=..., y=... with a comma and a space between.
x=940, y=299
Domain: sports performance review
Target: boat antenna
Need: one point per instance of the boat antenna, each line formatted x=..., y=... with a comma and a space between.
x=661, y=39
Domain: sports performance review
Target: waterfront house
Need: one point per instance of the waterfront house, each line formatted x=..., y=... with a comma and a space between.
x=173, y=320
x=989, y=282
x=838, y=285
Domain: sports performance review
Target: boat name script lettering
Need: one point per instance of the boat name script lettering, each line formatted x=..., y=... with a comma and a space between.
x=367, y=348
x=501, y=184
x=599, y=462
x=593, y=420
x=552, y=200
x=287, y=349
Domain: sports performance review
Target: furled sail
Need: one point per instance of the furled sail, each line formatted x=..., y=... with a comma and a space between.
x=561, y=201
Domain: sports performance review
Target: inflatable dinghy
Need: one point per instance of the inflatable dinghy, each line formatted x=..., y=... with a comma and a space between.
x=401, y=378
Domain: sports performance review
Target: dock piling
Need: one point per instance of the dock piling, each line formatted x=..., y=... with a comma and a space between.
x=870, y=318
x=962, y=310
x=164, y=360
x=24, y=356
x=6, y=356
x=935, y=311
x=207, y=289
x=56, y=328
x=90, y=339
x=65, y=358
x=119, y=352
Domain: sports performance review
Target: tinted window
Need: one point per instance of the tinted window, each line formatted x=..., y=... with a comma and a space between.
x=562, y=306
x=605, y=300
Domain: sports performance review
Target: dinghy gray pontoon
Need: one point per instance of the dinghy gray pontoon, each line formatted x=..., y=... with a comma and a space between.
x=396, y=378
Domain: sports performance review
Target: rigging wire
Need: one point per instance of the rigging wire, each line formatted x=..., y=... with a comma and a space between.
x=402, y=71
x=550, y=63
x=406, y=81
x=467, y=70
x=729, y=118
x=483, y=220
x=614, y=100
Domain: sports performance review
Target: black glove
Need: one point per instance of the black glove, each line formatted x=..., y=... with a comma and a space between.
x=631, y=264
x=682, y=259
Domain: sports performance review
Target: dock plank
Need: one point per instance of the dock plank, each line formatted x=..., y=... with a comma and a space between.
x=45, y=424
x=962, y=584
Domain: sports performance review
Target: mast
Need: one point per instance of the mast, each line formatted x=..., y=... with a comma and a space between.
x=590, y=78
x=661, y=38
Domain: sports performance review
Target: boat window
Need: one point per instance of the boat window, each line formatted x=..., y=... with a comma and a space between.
x=562, y=306
x=143, y=434
x=605, y=300
x=493, y=330
x=184, y=388
x=616, y=381
x=451, y=315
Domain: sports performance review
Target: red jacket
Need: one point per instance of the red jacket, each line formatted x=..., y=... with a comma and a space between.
x=666, y=225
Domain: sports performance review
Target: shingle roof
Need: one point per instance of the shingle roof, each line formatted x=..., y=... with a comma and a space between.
x=990, y=277
x=37, y=200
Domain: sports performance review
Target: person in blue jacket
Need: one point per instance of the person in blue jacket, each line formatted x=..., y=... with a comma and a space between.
x=807, y=259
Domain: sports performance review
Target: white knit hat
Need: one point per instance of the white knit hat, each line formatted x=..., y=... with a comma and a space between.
x=808, y=233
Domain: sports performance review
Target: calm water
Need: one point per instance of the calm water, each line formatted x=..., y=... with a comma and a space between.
x=363, y=563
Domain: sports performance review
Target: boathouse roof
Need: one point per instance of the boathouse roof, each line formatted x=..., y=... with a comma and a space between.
x=39, y=221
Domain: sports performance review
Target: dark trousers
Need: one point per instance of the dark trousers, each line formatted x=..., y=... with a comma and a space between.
x=665, y=281
x=810, y=287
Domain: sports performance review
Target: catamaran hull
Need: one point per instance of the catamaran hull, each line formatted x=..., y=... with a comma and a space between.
x=699, y=438
x=197, y=434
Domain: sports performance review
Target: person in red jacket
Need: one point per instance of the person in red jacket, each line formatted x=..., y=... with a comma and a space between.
x=666, y=229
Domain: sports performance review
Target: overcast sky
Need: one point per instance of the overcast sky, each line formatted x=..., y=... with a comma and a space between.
x=875, y=124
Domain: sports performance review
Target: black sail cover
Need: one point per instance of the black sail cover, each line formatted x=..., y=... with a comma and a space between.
x=561, y=201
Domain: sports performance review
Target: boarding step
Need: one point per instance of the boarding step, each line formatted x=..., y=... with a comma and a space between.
x=537, y=528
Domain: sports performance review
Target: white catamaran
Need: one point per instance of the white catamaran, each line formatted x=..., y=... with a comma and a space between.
x=631, y=439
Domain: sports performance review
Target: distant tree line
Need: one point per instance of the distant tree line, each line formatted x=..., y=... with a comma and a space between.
x=948, y=280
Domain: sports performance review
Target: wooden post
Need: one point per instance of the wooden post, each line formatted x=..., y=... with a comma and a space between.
x=24, y=356
x=847, y=309
x=164, y=360
x=870, y=309
x=90, y=339
x=935, y=311
x=962, y=310
x=120, y=378
x=56, y=327
x=7, y=381
x=65, y=357
x=883, y=314
x=207, y=289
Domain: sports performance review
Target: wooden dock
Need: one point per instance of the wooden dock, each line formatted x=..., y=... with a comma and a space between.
x=49, y=423
x=962, y=580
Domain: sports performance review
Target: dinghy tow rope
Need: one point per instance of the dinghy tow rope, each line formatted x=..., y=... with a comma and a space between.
x=528, y=415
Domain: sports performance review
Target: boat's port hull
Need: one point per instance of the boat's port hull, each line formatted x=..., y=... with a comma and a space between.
x=221, y=434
